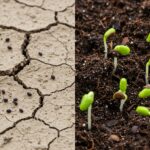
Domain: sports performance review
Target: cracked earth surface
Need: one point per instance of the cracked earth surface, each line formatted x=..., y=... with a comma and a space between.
x=37, y=74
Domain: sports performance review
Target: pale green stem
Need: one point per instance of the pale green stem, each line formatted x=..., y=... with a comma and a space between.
x=105, y=49
x=115, y=64
x=146, y=74
x=89, y=117
x=122, y=104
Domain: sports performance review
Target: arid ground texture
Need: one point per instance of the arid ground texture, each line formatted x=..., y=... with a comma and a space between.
x=37, y=74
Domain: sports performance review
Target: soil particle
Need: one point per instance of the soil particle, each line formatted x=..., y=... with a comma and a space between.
x=3, y=92
x=7, y=40
x=15, y=100
x=29, y=94
x=40, y=54
x=8, y=111
x=15, y=103
x=114, y=137
x=21, y=110
x=9, y=48
x=135, y=129
x=5, y=100
x=52, y=77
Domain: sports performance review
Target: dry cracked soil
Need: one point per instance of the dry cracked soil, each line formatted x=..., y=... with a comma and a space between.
x=37, y=74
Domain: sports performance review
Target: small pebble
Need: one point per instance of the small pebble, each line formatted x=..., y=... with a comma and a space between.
x=7, y=40
x=9, y=48
x=29, y=94
x=40, y=54
x=21, y=110
x=135, y=129
x=8, y=111
x=83, y=125
x=15, y=99
x=15, y=103
x=5, y=100
x=52, y=77
x=3, y=92
x=114, y=137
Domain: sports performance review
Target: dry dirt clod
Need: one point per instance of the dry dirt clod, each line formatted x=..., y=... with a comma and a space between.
x=7, y=40
x=114, y=137
x=9, y=48
x=29, y=94
x=15, y=99
x=8, y=111
x=40, y=54
x=5, y=100
x=3, y=92
x=135, y=129
x=52, y=77
x=15, y=103
x=21, y=110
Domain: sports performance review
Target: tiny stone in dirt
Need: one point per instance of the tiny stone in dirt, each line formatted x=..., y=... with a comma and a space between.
x=15, y=103
x=29, y=94
x=40, y=54
x=8, y=111
x=114, y=137
x=5, y=100
x=15, y=99
x=7, y=40
x=21, y=110
x=3, y=92
x=9, y=48
x=52, y=77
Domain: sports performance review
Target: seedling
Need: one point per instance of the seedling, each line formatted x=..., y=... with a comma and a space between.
x=145, y=93
x=121, y=93
x=147, y=72
x=86, y=104
x=148, y=38
x=143, y=111
x=122, y=50
x=106, y=35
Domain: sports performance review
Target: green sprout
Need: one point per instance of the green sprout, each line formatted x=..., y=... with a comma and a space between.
x=145, y=93
x=147, y=71
x=86, y=104
x=121, y=93
x=143, y=111
x=105, y=37
x=122, y=50
x=148, y=38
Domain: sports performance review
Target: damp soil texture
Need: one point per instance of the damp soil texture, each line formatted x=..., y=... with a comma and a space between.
x=112, y=129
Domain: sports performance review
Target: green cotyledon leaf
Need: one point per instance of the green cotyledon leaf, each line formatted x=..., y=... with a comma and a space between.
x=144, y=93
x=86, y=101
x=108, y=33
x=148, y=38
x=123, y=85
x=122, y=49
x=143, y=111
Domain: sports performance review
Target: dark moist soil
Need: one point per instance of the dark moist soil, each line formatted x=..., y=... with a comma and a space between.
x=131, y=18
